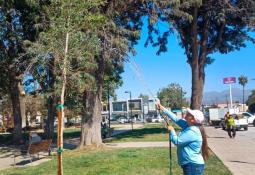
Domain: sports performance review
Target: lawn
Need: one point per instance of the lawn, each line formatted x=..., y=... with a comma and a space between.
x=150, y=132
x=146, y=161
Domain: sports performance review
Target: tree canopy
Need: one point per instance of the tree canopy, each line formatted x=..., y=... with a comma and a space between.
x=203, y=27
x=172, y=96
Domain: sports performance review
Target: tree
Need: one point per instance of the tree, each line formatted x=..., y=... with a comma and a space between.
x=243, y=80
x=251, y=102
x=72, y=42
x=18, y=28
x=204, y=27
x=116, y=39
x=172, y=96
x=144, y=97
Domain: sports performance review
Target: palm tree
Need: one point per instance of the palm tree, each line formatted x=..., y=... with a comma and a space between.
x=243, y=80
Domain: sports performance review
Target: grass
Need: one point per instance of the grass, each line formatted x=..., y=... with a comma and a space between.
x=149, y=161
x=150, y=132
x=131, y=161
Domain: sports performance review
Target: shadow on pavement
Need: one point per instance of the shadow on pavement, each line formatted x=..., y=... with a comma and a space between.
x=217, y=137
x=236, y=161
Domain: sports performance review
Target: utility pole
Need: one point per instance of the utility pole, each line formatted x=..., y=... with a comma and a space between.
x=109, y=111
x=130, y=97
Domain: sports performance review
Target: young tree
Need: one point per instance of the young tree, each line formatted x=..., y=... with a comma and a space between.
x=204, y=27
x=72, y=42
x=243, y=80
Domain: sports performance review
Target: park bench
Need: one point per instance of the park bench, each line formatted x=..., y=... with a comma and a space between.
x=34, y=148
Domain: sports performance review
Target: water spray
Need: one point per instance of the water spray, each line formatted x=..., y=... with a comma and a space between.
x=139, y=75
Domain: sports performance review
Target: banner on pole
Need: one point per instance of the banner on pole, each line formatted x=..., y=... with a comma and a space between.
x=229, y=80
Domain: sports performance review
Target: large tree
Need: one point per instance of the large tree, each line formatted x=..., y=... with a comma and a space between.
x=116, y=38
x=203, y=27
x=18, y=28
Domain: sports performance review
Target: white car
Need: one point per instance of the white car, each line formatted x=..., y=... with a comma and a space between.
x=251, y=118
x=158, y=119
x=123, y=120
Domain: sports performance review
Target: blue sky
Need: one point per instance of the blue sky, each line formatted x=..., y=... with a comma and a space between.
x=171, y=67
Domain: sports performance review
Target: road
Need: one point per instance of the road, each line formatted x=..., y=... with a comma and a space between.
x=237, y=154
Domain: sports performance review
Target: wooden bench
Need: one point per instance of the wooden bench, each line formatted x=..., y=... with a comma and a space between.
x=34, y=148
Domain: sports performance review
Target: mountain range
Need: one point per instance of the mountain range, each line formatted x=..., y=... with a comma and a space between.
x=214, y=97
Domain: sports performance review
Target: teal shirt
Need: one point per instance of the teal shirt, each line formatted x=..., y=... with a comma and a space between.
x=188, y=142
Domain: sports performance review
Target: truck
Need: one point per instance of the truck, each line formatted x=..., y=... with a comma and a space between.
x=216, y=115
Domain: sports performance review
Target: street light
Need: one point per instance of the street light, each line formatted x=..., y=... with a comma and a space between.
x=109, y=111
x=129, y=92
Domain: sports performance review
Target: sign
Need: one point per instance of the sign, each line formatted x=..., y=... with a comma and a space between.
x=229, y=80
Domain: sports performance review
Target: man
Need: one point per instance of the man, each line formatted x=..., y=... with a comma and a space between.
x=230, y=123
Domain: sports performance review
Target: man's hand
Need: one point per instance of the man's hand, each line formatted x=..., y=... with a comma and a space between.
x=170, y=128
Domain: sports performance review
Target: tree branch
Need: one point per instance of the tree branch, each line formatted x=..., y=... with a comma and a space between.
x=218, y=40
x=203, y=42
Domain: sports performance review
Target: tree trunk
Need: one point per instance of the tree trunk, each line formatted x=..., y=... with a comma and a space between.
x=197, y=64
x=91, y=121
x=49, y=128
x=15, y=98
x=198, y=79
x=243, y=99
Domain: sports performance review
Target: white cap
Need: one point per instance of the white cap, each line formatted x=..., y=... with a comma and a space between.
x=197, y=114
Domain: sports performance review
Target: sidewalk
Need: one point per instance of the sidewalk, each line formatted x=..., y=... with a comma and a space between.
x=237, y=154
x=7, y=159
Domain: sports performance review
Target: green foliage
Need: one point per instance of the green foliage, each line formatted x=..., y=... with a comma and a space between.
x=252, y=108
x=223, y=25
x=172, y=96
x=144, y=97
x=18, y=21
x=251, y=98
x=243, y=80
x=80, y=19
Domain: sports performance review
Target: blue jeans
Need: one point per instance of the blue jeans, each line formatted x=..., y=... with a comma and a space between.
x=193, y=169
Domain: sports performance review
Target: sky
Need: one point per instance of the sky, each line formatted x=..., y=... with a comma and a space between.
x=171, y=67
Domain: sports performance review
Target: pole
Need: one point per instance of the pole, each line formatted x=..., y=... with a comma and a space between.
x=181, y=102
x=60, y=137
x=170, y=154
x=170, y=144
x=109, y=113
x=243, y=98
x=131, y=110
x=230, y=96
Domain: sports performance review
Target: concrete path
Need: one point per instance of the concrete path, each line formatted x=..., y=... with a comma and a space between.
x=7, y=159
x=237, y=154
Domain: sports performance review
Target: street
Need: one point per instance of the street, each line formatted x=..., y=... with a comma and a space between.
x=237, y=154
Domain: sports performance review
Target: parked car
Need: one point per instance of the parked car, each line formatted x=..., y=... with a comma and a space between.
x=241, y=121
x=123, y=120
x=157, y=119
x=251, y=118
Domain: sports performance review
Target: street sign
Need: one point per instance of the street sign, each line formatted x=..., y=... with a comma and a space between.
x=229, y=80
